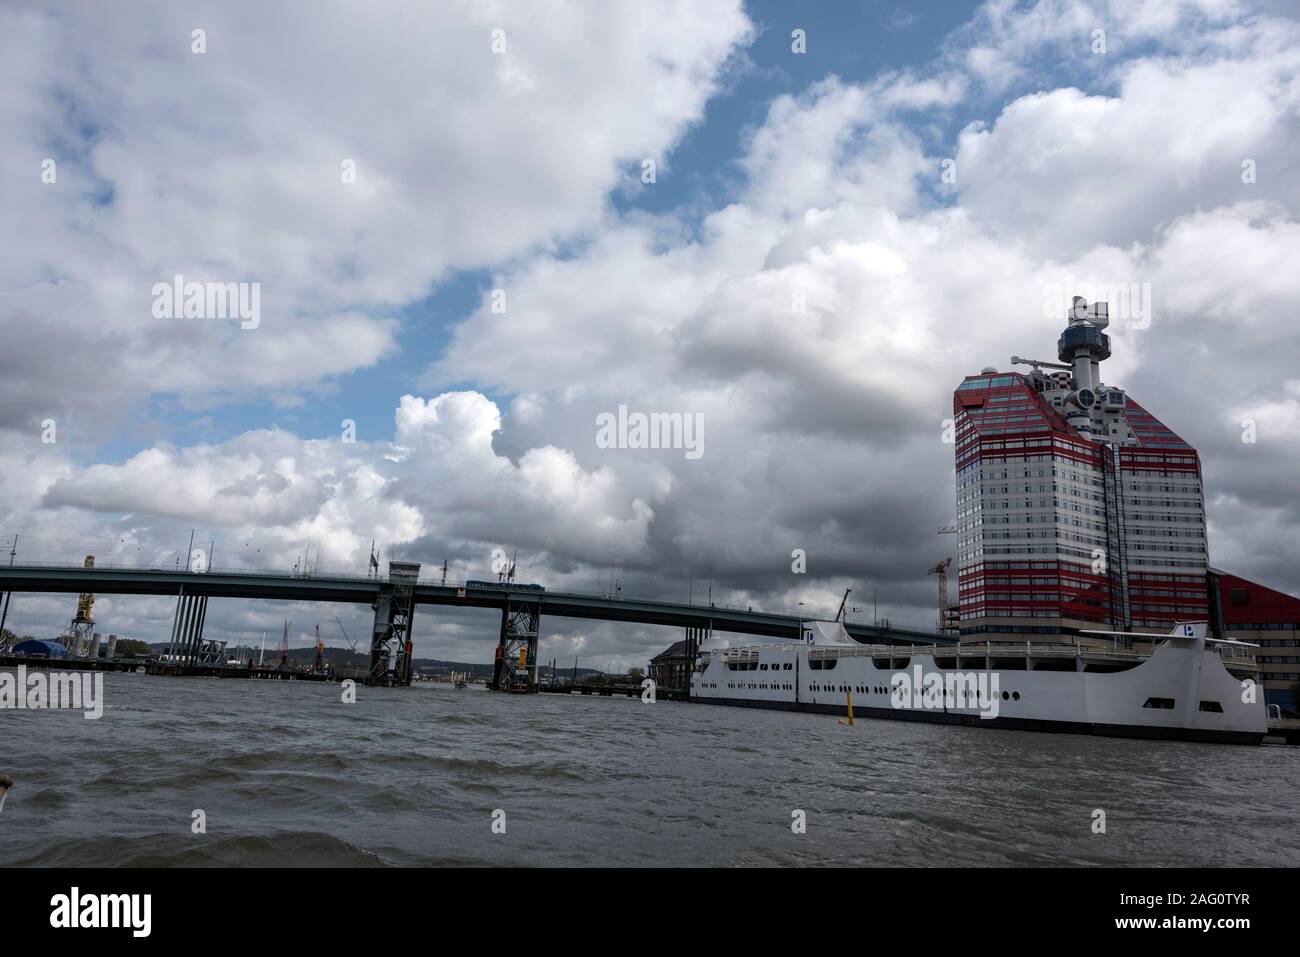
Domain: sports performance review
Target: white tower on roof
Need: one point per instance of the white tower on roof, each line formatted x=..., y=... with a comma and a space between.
x=1083, y=345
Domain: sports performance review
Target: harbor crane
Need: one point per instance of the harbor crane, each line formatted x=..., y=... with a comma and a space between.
x=945, y=615
x=351, y=644
x=843, y=601
x=506, y=573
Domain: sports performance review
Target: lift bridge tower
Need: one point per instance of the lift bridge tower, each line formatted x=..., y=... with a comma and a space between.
x=390, y=637
x=515, y=668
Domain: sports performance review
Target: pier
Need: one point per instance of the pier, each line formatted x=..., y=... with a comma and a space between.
x=616, y=690
x=74, y=664
x=175, y=670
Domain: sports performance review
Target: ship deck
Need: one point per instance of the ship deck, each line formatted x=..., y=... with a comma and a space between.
x=990, y=655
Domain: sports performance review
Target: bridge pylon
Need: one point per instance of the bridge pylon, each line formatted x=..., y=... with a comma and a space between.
x=187, y=628
x=516, y=658
x=390, y=637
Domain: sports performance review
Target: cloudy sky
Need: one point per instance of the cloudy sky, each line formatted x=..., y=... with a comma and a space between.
x=449, y=213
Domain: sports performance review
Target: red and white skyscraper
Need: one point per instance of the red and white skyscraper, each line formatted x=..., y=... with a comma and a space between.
x=1077, y=509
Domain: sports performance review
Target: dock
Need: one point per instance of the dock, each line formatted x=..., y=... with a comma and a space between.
x=170, y=669
x=615, y=690
x=74, y=664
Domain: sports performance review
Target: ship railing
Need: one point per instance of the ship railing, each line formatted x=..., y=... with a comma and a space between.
x=1010, y=649
x=970, y=652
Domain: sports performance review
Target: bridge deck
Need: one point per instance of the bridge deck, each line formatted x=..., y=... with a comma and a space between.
x=217, y=583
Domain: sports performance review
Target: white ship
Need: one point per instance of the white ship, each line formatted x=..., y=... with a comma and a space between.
x=1186, y=687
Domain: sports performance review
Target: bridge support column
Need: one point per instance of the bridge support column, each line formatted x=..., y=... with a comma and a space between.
x=196, y=632
x=516, y=658
x=187, y=628
x=692, y=651
x=176, y=621
x=499, y=660
x=181, y=627
x=390, y=636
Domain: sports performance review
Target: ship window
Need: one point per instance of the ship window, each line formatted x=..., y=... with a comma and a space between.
x=1212, y=706
x=1015, y=695
x=1163, y=704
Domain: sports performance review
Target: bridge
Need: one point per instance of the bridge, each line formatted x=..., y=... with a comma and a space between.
x=395, y=596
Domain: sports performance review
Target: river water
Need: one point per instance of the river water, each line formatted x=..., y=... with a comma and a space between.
x=285, y=773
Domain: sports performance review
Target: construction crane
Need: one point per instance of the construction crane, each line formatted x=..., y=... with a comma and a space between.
x=843, y=602
x=351, y=644
x=320, y=652
x=83, y=622
x=284, y=647
x=941, y=569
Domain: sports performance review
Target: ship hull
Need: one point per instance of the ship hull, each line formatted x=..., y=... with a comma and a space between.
x=1182, y=691
x=1151, y=733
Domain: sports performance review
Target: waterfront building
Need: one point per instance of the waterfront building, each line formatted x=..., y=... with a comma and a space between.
x=1079, y=511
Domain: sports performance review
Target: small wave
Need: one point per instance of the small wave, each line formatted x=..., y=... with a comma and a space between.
x=291, y=849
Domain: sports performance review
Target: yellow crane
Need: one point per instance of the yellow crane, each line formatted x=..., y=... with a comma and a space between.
x=80, y=636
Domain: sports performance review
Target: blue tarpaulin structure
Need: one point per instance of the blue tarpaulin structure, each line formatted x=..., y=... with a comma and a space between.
x=37, y=647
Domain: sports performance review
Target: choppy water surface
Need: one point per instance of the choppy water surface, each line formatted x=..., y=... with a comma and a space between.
x=289, y=775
